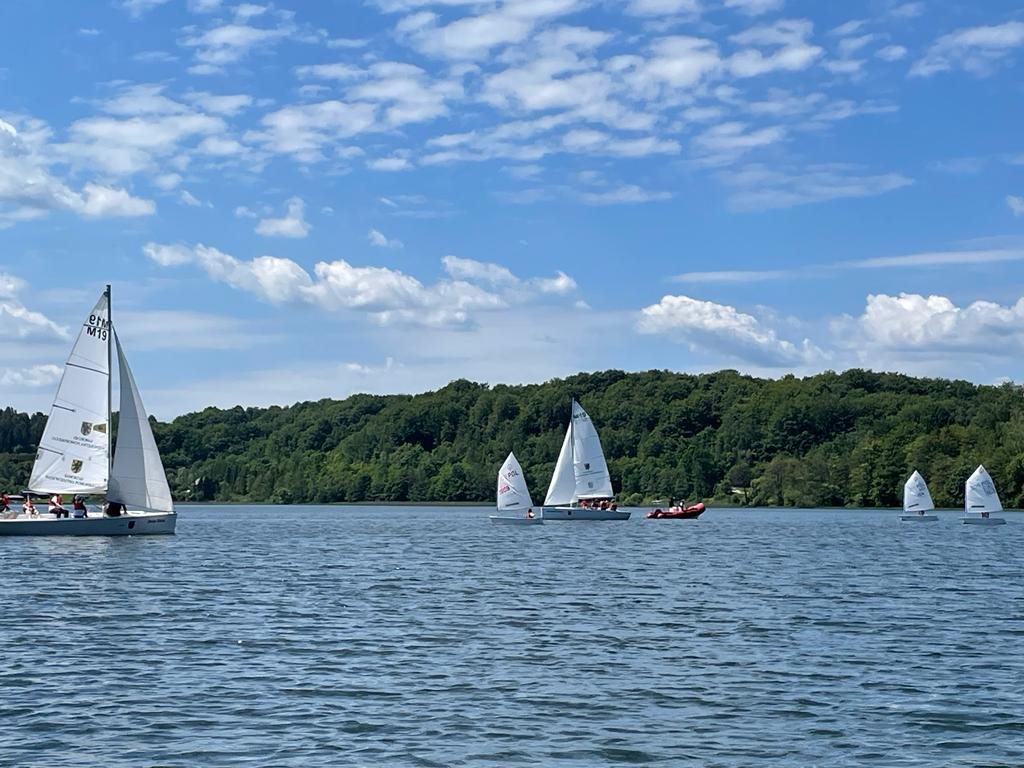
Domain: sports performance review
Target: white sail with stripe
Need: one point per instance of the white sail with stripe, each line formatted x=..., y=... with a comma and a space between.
x=980, y=493
x=562, y=489
x=916, y=497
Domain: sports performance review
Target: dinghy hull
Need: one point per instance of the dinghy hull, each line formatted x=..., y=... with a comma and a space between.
x=919, y=518
x=500, y=520
x=983, y=521
x=143, y=524
x=578, y=513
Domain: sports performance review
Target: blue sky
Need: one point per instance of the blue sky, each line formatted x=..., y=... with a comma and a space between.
x=306, y=200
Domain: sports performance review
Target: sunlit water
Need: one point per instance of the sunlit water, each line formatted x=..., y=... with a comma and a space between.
x=336, y=636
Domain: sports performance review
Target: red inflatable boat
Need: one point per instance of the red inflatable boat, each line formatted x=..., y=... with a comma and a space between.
x=677, y=513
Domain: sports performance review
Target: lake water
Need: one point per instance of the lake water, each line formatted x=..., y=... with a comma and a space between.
x=376, y=636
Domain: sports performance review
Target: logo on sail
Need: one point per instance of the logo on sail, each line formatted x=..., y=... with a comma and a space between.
x=76, y=466
x=101, y=427
x=987, y=487
x=504, y=488
x=86, y=428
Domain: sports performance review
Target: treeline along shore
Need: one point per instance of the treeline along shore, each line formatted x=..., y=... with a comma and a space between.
x=847, y=439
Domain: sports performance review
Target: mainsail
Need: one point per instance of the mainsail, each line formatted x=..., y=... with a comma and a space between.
x=73, y=452
x=589, y=466
x=915, y=494
x=137, y=478
x=512, y=490
x=980, y=493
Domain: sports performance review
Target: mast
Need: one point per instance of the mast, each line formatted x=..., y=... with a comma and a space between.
x=110, y=379
x=572, y=440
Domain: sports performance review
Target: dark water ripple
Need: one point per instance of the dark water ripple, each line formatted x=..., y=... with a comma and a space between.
x=426, y=637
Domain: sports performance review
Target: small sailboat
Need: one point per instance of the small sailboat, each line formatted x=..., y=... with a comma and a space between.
x=514, y=495
x=917, y=502
x=581, y=475
x=74, y=453
x=981, y=500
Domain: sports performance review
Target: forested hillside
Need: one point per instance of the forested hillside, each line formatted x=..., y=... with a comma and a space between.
x=831, y=439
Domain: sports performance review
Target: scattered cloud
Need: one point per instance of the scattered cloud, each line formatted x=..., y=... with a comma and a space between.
x=1015, y=204
x=293, y=224
x=978, y=50
x=724, y=330
x=757, y=187
x=380, y=240
x=387, y=295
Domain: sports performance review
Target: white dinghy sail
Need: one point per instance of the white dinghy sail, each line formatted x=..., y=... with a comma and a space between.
x=562, y=489
x=981, y=499
x=513, y=494
x=73, y=451
x=137, y=478
x=917, y=501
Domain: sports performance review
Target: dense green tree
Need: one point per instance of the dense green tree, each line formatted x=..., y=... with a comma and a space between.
x=827, y=440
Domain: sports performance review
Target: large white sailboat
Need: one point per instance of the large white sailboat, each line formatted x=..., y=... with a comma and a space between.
x=981, y=500
x=917, y=501
x=74, y=455
x=513, y=495
x=581, y=474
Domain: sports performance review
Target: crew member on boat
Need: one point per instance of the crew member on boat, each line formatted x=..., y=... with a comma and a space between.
x=29, y=508
x=529, y=513
x=113, y=509
x=5, y=503
x=56, y=506
x=78, y=508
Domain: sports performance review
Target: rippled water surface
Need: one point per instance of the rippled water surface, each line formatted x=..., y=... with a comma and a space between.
x=336, y=636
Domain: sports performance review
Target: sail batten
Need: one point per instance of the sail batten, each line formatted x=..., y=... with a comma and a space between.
x=137, y=478
x=512, y=490
x=916, y=497
x=73, y=451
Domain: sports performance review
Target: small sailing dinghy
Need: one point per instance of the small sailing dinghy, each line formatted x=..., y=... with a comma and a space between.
x=917, y=502
x=581, y=475
x=981, y=500
x=514, y=495
x=74, y=453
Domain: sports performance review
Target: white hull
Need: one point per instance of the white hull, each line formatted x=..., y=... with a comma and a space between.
x=499, y=520
x=133, y=524
x=983, y=521
x=919, y=518
x=579, y=513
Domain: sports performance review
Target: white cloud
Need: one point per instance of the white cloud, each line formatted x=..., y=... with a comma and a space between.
x=759, y=188
x=28, y=190
x=380, y=240
x=907, y=10
x=933, y=326
x=663, y=7
x=787, y=43
x=45, y=375
x=396, y=163
x=189, y=199
x=722, y=329
x=727, y=142
x=891, y=53
x=628, y=193
x=19, y=322
x=220, y=104
x=137, y=8
x=305, y=130
x=230, y=43
x=167, y=181
x=388, y=296
x=1015, y=204
x=978, y=50
x=755, y=7
x=244, y=212
x=293, y=224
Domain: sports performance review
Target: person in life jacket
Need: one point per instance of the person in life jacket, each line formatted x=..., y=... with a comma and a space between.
x=57, y=506
x=78, y=508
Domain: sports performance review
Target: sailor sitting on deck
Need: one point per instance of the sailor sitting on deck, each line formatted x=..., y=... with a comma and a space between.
x=113, y=509
x=5, y=507
x=78, y=509
x=56, y=506
x=29, y=508
x=529, y=513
